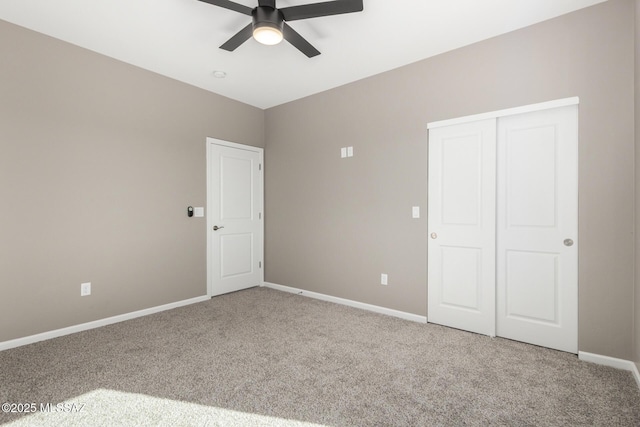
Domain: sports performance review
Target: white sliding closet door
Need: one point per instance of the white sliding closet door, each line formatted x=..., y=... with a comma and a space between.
x=537, y=230
x=503, y=224
x=462, y=175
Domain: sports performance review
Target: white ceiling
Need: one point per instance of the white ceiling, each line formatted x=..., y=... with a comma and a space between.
x=180, y=38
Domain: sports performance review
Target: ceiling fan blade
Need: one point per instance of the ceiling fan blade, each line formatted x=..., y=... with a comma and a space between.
x=298, y=41
x=230, y=5
x=241, y=36
x=327, y=8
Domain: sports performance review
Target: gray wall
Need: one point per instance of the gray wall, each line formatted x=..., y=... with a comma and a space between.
x=98, y=163
x=333, y=225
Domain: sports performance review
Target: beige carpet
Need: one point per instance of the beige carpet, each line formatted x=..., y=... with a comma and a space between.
x=266, y=358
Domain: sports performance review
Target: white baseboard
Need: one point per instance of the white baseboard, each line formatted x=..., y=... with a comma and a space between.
x=626, y=365
x=350, y=303
x=18, y=342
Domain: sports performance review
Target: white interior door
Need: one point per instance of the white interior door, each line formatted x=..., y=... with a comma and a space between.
x=537, y=230
x=235, y=224
x=461, y=249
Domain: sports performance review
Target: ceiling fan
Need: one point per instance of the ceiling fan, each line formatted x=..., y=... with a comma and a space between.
x=268, y=24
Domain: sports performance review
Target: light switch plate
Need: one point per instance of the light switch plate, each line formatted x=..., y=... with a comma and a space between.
x=349, y=151
x=85, y=289
x=343, y=152
x=415, y=211
x=383, y=279
x=198, y=211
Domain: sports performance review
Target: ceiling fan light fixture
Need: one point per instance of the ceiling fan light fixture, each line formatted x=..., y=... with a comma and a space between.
x=268, y=24
x=267, y=34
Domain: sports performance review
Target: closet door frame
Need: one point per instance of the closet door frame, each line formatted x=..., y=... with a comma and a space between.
x=506, y=112
x=433, y=224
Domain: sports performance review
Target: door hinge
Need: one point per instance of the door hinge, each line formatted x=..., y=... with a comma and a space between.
x=259, y=264
x=259, y=215
x=259, y=166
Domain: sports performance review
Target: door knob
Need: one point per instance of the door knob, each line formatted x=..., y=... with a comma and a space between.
x=216, y=228
x=568, y=242
x=434, y=236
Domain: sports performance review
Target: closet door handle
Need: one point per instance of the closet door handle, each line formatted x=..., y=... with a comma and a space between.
x=568, y=242
x=216, y=228
x=434, y=236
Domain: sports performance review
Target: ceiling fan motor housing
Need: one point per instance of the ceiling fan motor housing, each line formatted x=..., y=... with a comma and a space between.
x=265, y=16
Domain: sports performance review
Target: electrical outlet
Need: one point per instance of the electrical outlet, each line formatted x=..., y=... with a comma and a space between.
x=85, y=289
x=383, y=279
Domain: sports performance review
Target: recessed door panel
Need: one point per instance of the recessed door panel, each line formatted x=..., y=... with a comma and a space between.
x=237, y=254
x=461, y=189
x=461, y=273
x=531, y=176
x=532, y=286
x=236, y=192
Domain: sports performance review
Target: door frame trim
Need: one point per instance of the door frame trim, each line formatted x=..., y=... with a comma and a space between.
x=209, y=143
x=507, y=112
x=549, y=105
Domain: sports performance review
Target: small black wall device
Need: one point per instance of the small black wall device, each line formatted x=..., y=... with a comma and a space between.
x=190, y=211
